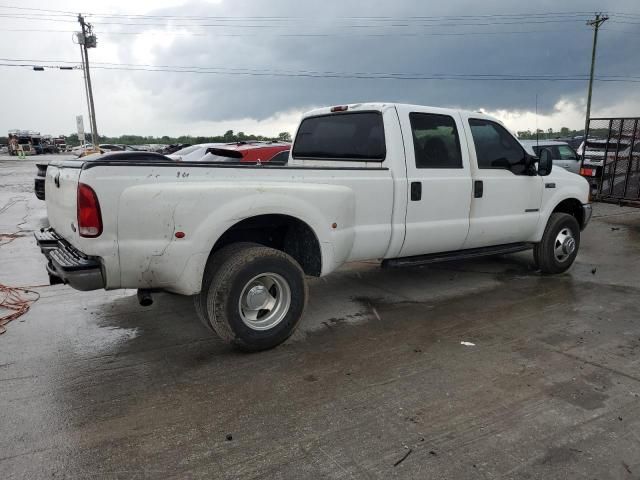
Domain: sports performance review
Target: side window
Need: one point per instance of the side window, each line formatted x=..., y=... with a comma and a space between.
x=496, y=147
x=435, y=141
x=566, y=153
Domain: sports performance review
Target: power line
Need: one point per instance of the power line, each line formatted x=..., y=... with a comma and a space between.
x=357, y=22
x=382, y=18
x=320, y=72
x=311, y=35
x=57, y=67
x=338, y=75
x=275, y=70
x=205, y=33
x=36, y=19
x=263, y=26
x=332, y=26
x=13, y=7
x=370, y=17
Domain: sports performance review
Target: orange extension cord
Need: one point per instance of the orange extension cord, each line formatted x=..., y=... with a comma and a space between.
x=15, y=299
x=18, y=301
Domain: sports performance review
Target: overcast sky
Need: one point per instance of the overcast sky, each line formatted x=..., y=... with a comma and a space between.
x=302, y=37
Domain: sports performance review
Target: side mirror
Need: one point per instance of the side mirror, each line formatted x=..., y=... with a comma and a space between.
x=545, y=163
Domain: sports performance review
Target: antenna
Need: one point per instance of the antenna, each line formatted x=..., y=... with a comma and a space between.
x=537, y=134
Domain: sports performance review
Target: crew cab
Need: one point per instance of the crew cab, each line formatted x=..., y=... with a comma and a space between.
x=404, y=184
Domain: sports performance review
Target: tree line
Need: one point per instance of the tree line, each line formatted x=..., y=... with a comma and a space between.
x=549, y=134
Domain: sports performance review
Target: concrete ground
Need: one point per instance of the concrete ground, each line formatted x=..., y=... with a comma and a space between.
x=375, y=384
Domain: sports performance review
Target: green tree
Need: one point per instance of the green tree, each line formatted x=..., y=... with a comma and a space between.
x=284, y=136
x=229, y=136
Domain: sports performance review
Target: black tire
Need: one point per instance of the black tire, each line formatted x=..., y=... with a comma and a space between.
x=200, y=300
x=544, y=253
x=228, y=274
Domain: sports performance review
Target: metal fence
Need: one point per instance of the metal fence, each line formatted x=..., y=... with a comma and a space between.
x=611, y=157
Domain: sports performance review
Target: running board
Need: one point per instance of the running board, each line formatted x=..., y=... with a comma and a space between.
x=456, y=255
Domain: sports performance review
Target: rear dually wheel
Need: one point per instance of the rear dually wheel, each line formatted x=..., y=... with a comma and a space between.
x=252, y=296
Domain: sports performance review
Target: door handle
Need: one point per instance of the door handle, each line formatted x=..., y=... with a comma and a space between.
x=416, y=191
x=478, y=189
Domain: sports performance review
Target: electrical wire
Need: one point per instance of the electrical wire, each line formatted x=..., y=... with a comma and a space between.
x=280, y=18
x=318, y=73
x=340, y=75
x=17, y=301
x=204, y=33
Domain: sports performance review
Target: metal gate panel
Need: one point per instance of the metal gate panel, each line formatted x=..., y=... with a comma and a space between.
x=613, y=144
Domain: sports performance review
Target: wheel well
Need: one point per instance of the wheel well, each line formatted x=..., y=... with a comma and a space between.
x=573, y=207
x=282, y=232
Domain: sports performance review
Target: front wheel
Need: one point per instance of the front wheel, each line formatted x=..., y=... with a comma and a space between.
x=252, y=296
x=559, y=245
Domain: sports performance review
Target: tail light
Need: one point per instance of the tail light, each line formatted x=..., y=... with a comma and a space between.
x=89, y=216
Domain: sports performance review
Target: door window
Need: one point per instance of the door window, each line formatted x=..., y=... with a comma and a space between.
x=435, y=141
x=496, y=148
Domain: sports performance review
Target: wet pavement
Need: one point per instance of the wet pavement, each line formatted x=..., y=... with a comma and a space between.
x=375, y=384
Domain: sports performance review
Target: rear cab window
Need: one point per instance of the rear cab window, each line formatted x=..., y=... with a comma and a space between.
x=348, y=136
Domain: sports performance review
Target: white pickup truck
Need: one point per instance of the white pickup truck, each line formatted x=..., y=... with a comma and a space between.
x=404, y=184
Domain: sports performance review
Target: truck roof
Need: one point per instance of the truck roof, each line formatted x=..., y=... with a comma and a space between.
x=381, y=106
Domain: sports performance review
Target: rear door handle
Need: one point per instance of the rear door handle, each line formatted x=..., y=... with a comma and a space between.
x=478, y=189
x=416, y=191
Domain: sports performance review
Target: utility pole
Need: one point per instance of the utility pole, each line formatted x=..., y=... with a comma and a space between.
x=88, y=40
x=599, y=20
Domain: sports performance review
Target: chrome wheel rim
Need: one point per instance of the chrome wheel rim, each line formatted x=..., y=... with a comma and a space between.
x=264, y=301
x=564, y=245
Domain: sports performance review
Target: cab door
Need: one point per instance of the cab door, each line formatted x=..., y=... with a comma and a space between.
x=439, y=180
x=506, y=197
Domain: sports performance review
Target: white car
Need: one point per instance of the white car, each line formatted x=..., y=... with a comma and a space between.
x=193, y=152
x=404, y=184
x=561, y=152
x=80, y=149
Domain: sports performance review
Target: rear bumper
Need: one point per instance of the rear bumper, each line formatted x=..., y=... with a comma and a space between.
x=66, y=264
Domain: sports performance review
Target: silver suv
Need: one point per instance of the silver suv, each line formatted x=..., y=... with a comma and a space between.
x=562, y=154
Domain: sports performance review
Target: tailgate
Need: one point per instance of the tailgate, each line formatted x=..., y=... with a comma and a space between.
x=61, y=187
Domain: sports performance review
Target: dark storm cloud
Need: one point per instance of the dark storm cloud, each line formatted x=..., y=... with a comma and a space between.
x=551, y=48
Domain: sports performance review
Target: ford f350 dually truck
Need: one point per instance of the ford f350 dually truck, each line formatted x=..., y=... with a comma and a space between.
x=404, y=184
